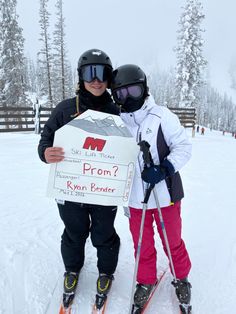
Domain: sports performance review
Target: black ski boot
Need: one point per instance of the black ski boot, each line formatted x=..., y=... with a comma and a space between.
x=183, y=292
x=104, y=283
x=142, y=294
x=70, y=284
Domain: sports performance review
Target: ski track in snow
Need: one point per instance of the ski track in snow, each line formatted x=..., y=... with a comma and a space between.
x=31, y=268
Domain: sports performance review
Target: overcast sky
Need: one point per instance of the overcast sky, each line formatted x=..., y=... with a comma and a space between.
x=138, y=31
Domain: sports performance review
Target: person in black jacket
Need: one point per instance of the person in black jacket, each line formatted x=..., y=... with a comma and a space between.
x=94, y=71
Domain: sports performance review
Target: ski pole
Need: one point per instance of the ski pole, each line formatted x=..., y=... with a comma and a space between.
x=164, y=234
x=148, y=190
x=144, y=147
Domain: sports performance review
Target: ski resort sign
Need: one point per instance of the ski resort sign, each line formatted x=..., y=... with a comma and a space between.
x=99, y=163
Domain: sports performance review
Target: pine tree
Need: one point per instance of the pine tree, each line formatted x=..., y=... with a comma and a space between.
x=161, y=86
x=12, y=84
x=217, y=112
x=45, y=57
x=62, y=83
x=232, y=73
x=30, y=76
x=190, y=61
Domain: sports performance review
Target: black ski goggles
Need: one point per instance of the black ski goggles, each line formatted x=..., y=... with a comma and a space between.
x=89, y=73
x=133, y=91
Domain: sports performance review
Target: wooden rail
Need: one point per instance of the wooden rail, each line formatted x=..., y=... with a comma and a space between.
x=187, y=117
x=20, y=119
x=15, y=119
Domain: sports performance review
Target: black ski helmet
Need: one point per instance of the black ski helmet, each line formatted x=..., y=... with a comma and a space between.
x=94, y=56
x=125, y=75
x=129, y=74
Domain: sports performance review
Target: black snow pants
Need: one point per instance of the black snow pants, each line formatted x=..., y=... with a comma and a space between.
x=82, y=219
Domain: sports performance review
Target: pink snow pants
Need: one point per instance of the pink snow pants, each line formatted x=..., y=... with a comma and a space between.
x=147, y=272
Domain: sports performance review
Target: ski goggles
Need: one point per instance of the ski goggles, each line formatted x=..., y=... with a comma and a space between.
x=89, y=73
x=132, y=91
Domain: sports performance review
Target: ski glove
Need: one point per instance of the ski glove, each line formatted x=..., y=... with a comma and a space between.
x=157, y=173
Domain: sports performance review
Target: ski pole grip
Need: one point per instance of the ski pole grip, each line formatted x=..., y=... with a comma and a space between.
x=144, y=147
x=148, y=193
x=147, y=158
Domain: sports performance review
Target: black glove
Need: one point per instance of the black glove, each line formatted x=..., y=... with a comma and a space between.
x=157, y=173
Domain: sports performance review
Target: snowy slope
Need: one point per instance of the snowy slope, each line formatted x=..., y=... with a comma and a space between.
x=30, y=264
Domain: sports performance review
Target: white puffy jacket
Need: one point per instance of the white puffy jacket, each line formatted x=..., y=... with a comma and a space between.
x=167, y=139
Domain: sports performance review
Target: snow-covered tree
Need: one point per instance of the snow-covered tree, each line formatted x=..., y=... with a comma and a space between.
x=62, y=73
x=190, y=61
x=215, y=111
x=161, y=86
x=45, y=58
x=232, y=72
x=31, y=76
x=12, y=84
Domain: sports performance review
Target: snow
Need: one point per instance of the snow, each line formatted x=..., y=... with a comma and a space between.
x=31, y=269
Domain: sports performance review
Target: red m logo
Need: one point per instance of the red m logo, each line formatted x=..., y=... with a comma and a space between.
x=94, y=143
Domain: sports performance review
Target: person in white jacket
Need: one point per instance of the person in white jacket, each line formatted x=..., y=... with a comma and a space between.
x=170, y=149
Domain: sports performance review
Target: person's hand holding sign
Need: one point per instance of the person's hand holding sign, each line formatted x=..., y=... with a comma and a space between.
x=54, y=154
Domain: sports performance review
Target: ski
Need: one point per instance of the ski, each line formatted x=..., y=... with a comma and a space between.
x=142, y=310
x=99, y=306
x=65, y=307
x=64, y=310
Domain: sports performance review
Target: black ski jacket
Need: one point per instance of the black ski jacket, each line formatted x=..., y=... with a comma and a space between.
x=66, y=110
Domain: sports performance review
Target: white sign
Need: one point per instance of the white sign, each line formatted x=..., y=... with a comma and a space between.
x=100, y=156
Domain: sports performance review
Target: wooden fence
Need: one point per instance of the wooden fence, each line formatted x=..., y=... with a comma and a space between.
x=14, y=119
x=187, y=117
